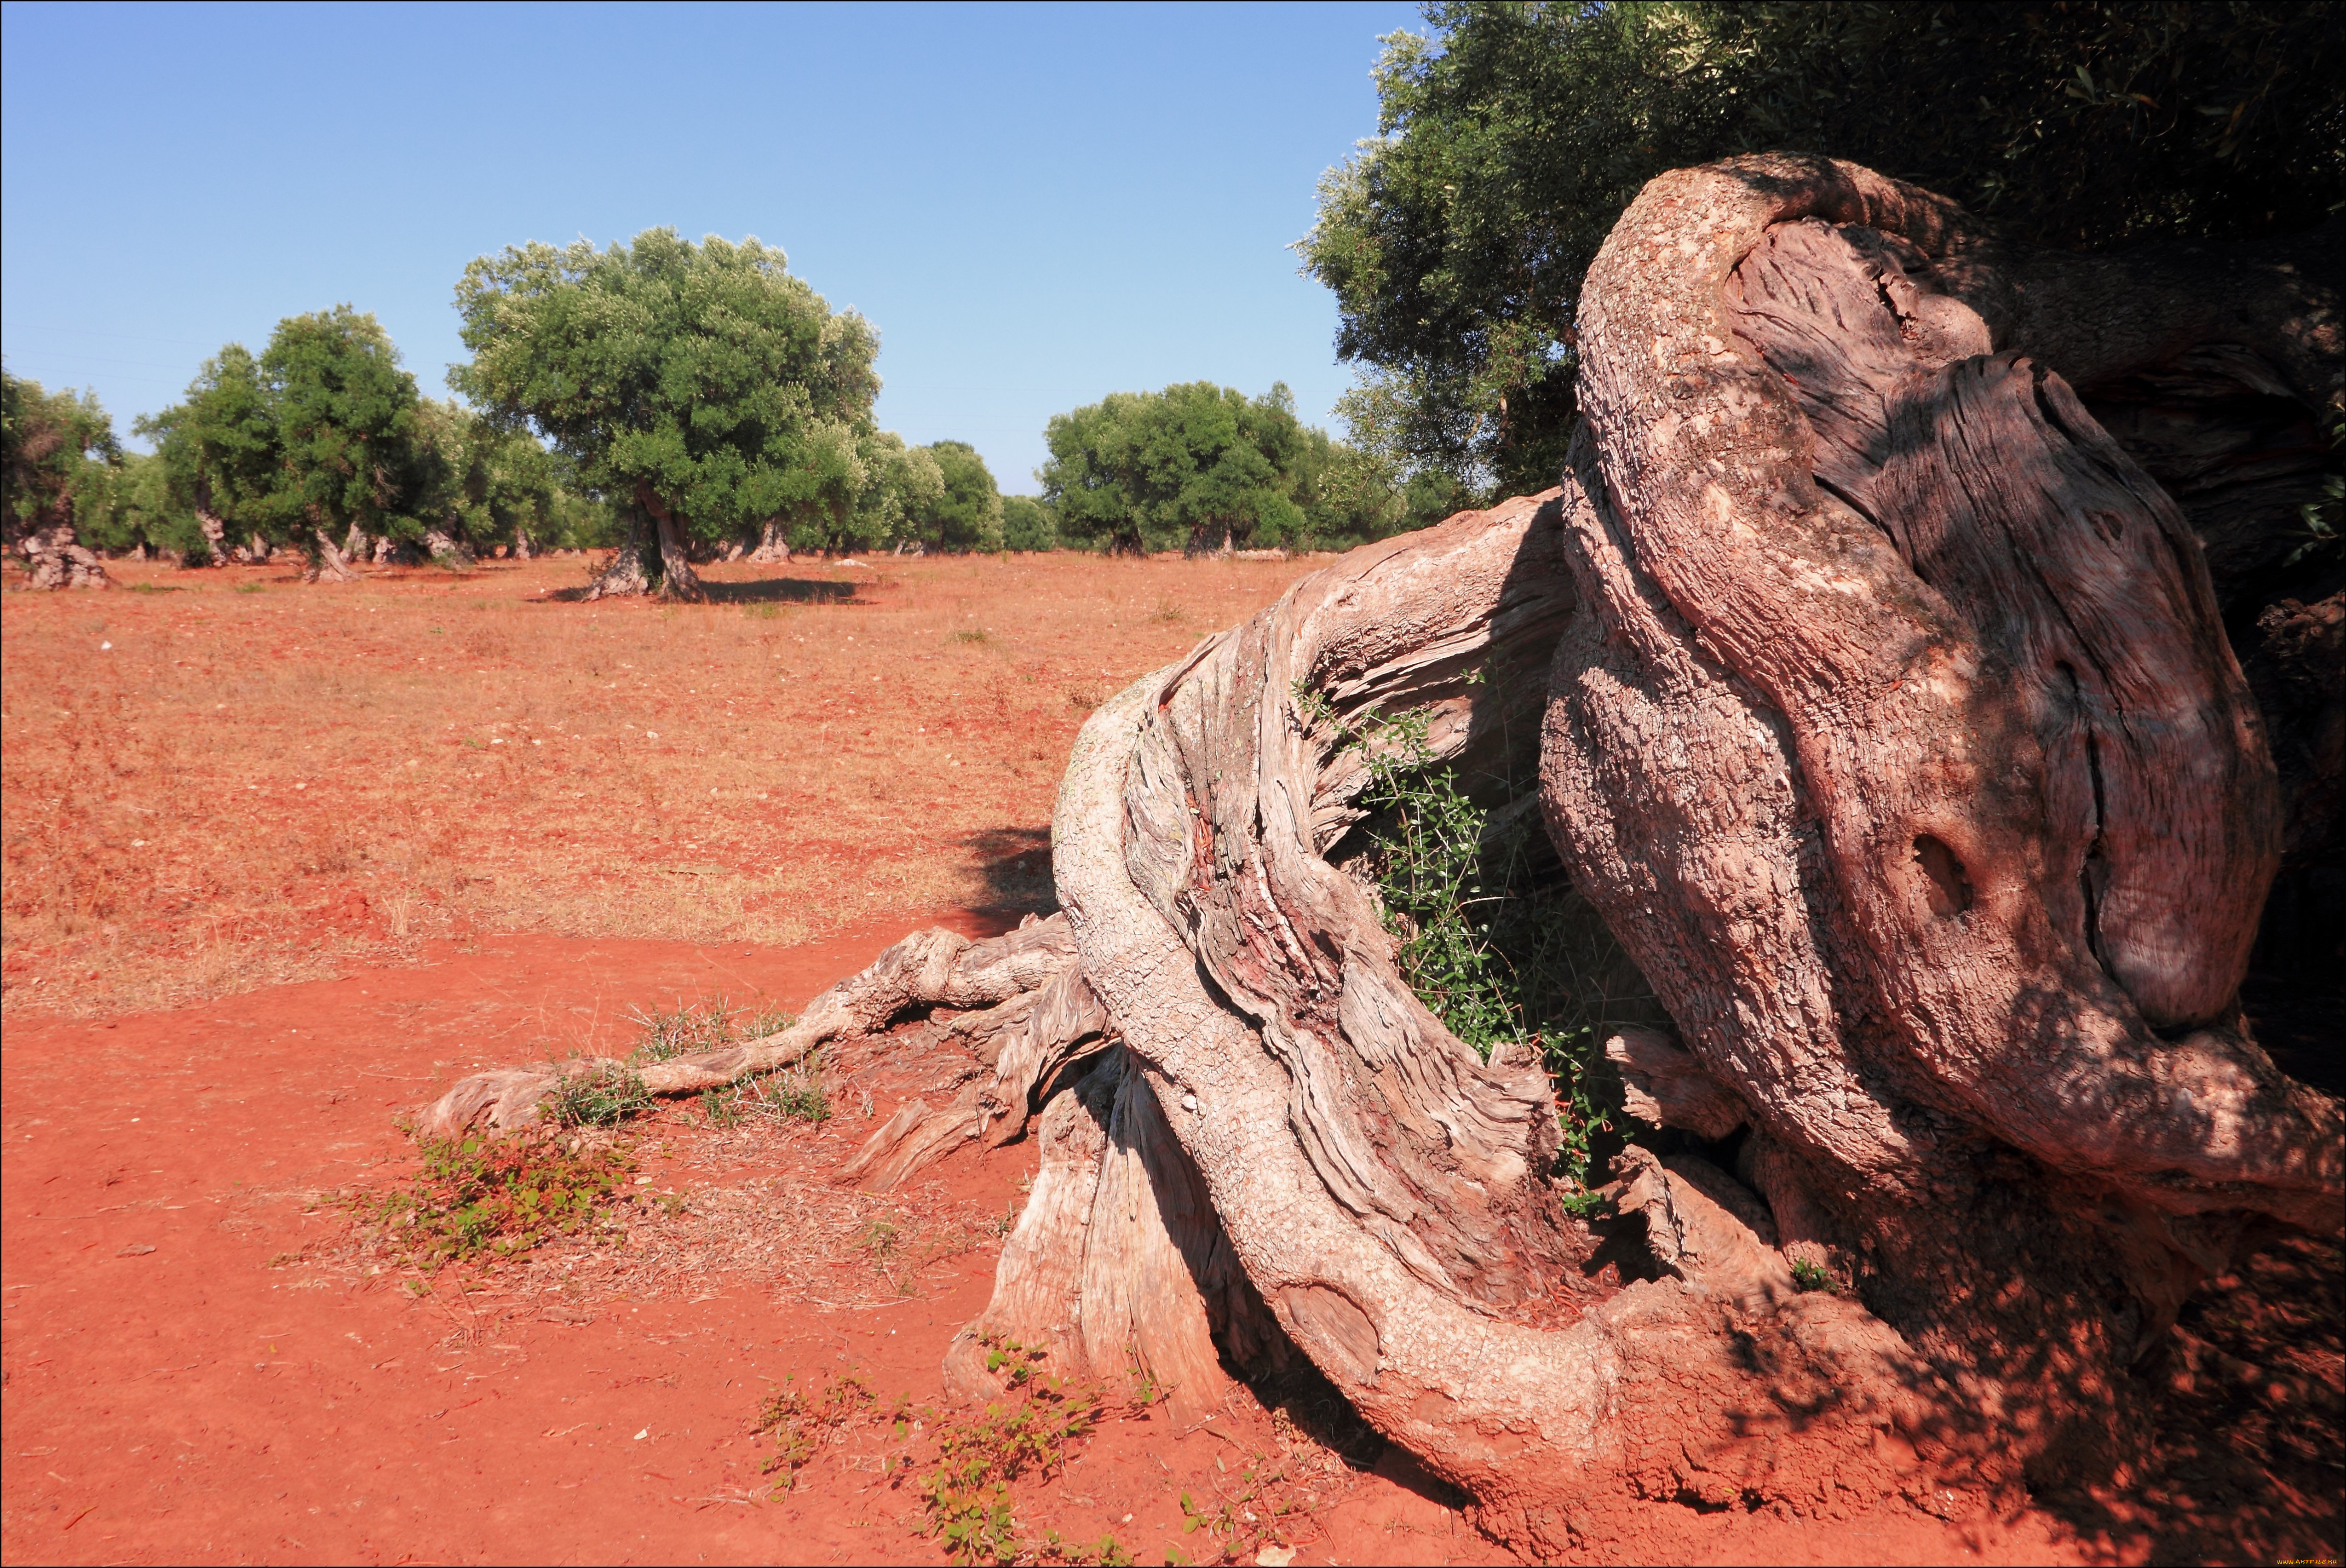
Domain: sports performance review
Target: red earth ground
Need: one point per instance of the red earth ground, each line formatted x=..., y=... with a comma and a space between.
x=172, y=1396
x=205, y=1361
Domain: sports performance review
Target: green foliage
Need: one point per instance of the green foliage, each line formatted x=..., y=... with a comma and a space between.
x=898, y=490
x=1505, y=957
x=345, y=417
x=1196, y=467
x=704, y=1026
x=1809, y=1275
x=2319, y=534
x=1186, y=468
x=55, y=453
x=322, y=433
x=1239, y=1522
x=971, y=1459
x=602, y=1094
x=123, y=505
x=1107, y=1552
x=703, y=378
x=484, y=484
x=479, y=1198
x=1514, y=135
x=1028, y=524
x=968, y=516
x=219, y=454
x=792, y=1094
x=801, y=1420
x=967, y=1495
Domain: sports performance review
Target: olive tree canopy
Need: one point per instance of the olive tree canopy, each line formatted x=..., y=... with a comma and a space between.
x=702, y=385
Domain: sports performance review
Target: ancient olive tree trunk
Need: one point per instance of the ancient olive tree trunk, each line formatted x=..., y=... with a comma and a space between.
x=1881, y=703
x=650, y=522
x=624, y=574
x=772, y=545
x=53, y=559
x=678, y=581
x=327, y=563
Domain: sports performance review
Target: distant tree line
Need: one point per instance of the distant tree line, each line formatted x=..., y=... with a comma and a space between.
x=675, y=402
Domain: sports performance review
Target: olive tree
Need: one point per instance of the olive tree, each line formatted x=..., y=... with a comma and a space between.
x=57, y=446
x=1877, y=694
x=702, y=387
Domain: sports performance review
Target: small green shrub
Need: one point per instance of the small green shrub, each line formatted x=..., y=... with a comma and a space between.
x=792, y=1094
x=706, y=1025
x=1504, y=956
x=972, y=636
x=1808, y=1275
x=968, y=1495
x=603, y=1096
x=498, y=1197
x=801, y=1420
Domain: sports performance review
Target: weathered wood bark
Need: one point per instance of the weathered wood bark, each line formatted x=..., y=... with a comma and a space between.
x=772, y=546
x=625, y=575
x=678, y=581
x=329, y=565
x=214, y=531
x=1883, y=704
x=54, y=560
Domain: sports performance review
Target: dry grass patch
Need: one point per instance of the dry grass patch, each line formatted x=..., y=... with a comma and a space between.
x=248, y=780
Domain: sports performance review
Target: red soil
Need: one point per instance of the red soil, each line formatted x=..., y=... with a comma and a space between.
x=192, y=1403
x=197, y=1369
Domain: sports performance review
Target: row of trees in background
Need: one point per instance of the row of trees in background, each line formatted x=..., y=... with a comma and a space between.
x=321, y=444
x=676, y=402
x=1201, y=467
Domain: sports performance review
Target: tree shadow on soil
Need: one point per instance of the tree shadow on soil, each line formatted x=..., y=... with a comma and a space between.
x=1016, y=866
x=2245, y=1400
x=758, y=591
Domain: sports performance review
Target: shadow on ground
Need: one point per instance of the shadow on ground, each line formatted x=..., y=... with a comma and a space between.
x=757, y=591
x=1015, y=863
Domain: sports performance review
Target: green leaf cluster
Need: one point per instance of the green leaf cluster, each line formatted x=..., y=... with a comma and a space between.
x=325, y=431
x=1195, y=466
x=1497, y=946
x=1029, y=522
x=317, y=433
x=703, y=381
x=1199, y=467
x=1512, y=135
x=59, y=460
x=499, y=1197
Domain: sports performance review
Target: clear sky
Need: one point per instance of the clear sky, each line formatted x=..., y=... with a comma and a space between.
x=1036, y=205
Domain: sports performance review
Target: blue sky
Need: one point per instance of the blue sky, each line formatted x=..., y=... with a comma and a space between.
x=1037, y=205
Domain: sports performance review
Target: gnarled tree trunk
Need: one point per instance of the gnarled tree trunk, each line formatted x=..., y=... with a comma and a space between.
x=625, y=574
x=678, y=581
x=215, y=532
x=772, y=546
x=328, y=564
x=1881, y=703
x=53, y=559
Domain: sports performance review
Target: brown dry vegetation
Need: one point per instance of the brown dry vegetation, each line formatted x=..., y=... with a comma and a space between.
x=258, y=780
